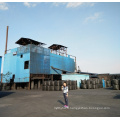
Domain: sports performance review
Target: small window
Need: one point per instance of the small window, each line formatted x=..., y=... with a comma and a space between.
x=21, y=56
x=14, y=53
x=26, y=65
x=64, y=72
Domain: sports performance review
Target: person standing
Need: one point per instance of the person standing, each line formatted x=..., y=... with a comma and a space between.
x=65, y=94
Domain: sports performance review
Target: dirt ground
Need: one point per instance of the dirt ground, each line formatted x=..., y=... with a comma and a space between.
x=82, y=103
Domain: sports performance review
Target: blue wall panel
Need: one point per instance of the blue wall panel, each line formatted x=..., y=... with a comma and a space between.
x=14, y=64
x=0, y=67
x=40, y=62
x=61, y=62
x=22, y=75
x=77, y=77
x=9, y=65
x=0, y=63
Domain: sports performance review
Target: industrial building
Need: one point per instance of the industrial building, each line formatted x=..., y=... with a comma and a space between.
x=0, y=67
x=31, y=63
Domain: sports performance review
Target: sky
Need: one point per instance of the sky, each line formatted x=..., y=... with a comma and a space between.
x=91, y=31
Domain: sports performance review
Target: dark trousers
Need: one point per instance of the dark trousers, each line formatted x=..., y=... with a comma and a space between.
x=66, y=98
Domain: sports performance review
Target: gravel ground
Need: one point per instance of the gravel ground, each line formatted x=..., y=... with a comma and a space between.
x=82, y=103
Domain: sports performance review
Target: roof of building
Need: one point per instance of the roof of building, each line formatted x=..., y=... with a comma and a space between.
x=26, y=41
x=56, y=47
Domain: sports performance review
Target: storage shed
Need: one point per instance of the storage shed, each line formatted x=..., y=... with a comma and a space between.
x=75, y=76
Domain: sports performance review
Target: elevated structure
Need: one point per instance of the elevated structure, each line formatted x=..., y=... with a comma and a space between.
x=58, y=49
x=26, y=41
x=32, y=63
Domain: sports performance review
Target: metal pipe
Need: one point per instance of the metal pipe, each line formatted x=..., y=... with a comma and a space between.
x=60, y=69
x=6, y=40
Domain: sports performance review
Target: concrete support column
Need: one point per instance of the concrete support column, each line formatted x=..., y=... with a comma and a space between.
x=14, y=86
x=18, y=86
x=32, y=84
x=51, y=77
x=61, y=77
x=38, y=84
x=28, y=86
x=42, y=80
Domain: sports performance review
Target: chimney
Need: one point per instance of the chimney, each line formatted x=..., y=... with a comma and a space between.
x=6, y=40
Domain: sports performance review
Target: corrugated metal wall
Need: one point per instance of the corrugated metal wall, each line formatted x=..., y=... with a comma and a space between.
x=77, y=77
x=61, y=62
x=0, y=67
x=40, y=62
x=14, y=64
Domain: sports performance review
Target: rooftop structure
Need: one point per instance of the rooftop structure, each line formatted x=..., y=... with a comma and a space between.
x=60, y=49
x=26, y=41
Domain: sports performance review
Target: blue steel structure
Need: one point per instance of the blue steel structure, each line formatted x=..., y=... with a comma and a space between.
x=0, y=66
x=38, y=61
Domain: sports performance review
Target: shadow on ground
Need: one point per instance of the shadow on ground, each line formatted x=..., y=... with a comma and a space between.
x=61, y=102
x=4, y=93
x=110, y=88
x=117, y=96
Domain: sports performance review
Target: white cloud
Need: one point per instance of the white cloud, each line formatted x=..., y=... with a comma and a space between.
x=74, y=4
x=3, y=6
x=90, y=4
x=58, y=3
x=96, y=16
x=29, y=4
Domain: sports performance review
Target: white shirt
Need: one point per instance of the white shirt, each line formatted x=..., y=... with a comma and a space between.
x=65, y=89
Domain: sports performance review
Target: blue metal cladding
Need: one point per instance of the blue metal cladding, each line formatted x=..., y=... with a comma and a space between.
x=0, y=66
x=61, y=62
x=74, y=77
x=0, y=63
x=14, y=64
x=40, y=62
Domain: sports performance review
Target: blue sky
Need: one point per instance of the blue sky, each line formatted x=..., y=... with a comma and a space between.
x=91, y=31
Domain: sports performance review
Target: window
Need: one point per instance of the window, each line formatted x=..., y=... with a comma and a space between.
x=21, y=56
x=26, y=65
x=14, y=53
x=63, y=72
